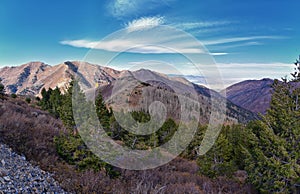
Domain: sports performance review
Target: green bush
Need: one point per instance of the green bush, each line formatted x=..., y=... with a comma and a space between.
x=28, y=100
x=74, y=151
x=13, y=95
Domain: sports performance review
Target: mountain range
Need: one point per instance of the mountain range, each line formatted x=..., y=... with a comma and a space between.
x=30, y=78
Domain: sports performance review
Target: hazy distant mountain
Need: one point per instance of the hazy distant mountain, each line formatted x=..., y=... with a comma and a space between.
x=197, y=79
x=254, y=95
x=30, y=78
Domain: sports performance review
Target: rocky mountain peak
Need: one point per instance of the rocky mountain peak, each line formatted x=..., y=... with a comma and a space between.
x=72, y=66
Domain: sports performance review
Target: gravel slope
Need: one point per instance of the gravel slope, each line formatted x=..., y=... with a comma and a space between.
x=18, y=176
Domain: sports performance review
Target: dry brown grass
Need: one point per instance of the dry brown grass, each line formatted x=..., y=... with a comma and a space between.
x=30, y=131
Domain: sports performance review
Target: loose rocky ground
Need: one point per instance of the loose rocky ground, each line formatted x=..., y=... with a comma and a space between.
x=18, y=176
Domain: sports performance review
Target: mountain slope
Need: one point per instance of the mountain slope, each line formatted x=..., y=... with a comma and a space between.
x=30, y=78
x=147, y=86
x=140, y=88
x=24, y=79
x=253, y=95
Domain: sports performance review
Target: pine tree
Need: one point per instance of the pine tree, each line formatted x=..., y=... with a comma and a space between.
x=2, y=89
x=45, y=102
x=268, y=164
x=296, y=73
x=74, y=103
x=55, y=101
x=273, y=156
x=220, y=159
x=102, y=112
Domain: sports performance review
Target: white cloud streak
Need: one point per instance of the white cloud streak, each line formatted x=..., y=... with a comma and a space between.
x=144, y=23
x=136, y=46
x=238, y=39
x=124, y=8
x=244, y=44
x=144, y=35
x=141, y=37
x=145, y=44
x=219, y=54
x=196, y=25
x=130, y=46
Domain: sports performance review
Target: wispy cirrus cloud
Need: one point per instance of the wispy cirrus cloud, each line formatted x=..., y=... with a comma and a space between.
x=144, y=23
x=220, y=43
x=141, y=43
x=161, y=39
x=237, y=45
x=219, y=54
x=137, y=38
x=126, y=8
x=202, y=24
x=132, y=46
x=239, y=39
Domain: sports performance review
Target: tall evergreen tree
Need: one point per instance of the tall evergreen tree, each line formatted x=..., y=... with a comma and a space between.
x=2, y=89
x=73, y=95
x=55, y=101
x=45, y=102
x=273, y=157
x=220, y=160
x=102, y=112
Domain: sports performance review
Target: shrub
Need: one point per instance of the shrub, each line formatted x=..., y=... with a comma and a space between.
x=28, y=100
x=13, y=95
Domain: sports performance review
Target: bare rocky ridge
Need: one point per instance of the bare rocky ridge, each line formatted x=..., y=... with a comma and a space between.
x=30, y=78
x=24, y=79
x=147, y=86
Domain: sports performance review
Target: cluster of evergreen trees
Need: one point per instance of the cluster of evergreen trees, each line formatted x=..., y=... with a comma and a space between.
x=58, y=104
x=268, y=149
x=273, y=155
x=70, y=146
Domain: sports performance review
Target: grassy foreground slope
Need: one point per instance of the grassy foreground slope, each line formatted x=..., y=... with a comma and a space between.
x=31, y=131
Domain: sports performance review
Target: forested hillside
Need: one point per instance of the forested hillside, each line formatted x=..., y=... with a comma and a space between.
x=262, y=154
x=55, y=146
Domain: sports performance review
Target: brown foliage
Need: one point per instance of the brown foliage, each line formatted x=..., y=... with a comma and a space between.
x=178, y=176
x=30, y=131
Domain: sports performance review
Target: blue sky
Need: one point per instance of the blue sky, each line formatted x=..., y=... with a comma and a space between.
x=248, y=39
